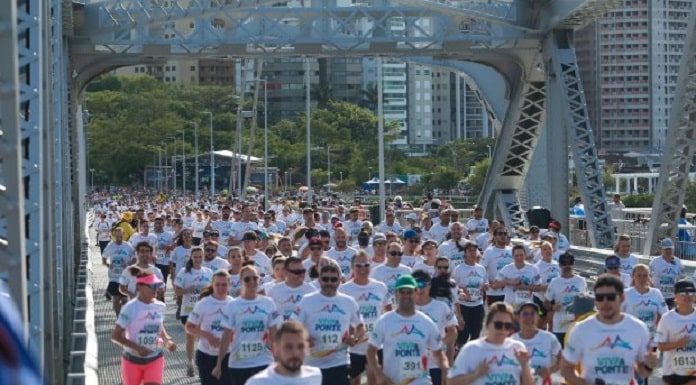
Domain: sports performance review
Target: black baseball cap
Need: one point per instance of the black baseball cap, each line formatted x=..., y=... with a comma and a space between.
x=684, y=286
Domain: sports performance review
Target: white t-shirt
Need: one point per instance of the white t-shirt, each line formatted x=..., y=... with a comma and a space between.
x=474, y=225
x=372, y=299
x=118, y=257
x=194, y=279
x=199, y=228
x=225, y=229
x=606, y=351
x=482, y=240
x=150, y=238
x=235, y=285
x=421, y=265
x=674, y=326
x=663, y=275
x=470, y=278
x=308, y=375
x=239, y=228
x=389, y=275
x=103, y=229
x=406, y=342
x=143, y=324
x=528, y=275
x=494, y=259
x=164, y=239
x=449, y=249
x=262, y=263
x=410, y=260
x=438, y=232
x=563, y=291
x=443, y=316
x=216, y=264
x=543, y=349
x=328, y=320
x=208, y=314
x=250, y=320
x=353, y=228
x=504, y=367
x=628, y=263
x=647, y=307
x=385, y=228
x=181, y=256
x=343, y=258
x=287, y=298
x=547, y=272
x=130, y=281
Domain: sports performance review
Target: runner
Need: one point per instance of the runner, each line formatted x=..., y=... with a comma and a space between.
x=116, y=256
x=103, y=229
x=407, y=337
x=163, y=247
x=189, y=283
x=412, y=242
x=234, y=257
x=611, y=347
x=644, y=302
x=666, y=270
x=342, y=253
x=250, y=321
x=622, y=249
x=278, y=263
x=334, y=323
x=676, y=337
x=519, y=278
x=472, y=280
x=612, y=265
x=211, y=259
x=543, y=347
x=495, y=257
x=127, y=282
x=372, y=298
x=441, y=314
x=290, y=346
x=205, y=323
x=288, y=294
x=427, y=264
x=140, y=331
x=453, y=247
x=496, y=358
x=389, y=272
x=548, y=270
x=478, y=224
x=379, y=249
x=182, y=252
x=261, y=261
x=560, y=295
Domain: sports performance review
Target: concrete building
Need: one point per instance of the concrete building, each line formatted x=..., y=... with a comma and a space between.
x=420, y=106
x=630, y=60
x=450, y=123
x=286, y=86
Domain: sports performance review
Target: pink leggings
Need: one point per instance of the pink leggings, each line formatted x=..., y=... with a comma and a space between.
x=134, y=374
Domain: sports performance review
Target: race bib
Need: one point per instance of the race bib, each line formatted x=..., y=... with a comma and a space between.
x=192, y=299
x=474, y=293
x=328, y=341
x=684, y=363
x=522, y=296
x=667, y=290
x=148, y=340
x=250, y=349
x=411, y=367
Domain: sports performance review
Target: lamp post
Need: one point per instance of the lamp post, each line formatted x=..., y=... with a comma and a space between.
x=212, y=155
x=91, y=171
x=195, y=148
x=183, y=162
x=265, y=142
x=308, y=101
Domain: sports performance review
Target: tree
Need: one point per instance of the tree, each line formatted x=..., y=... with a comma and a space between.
x=322, y=93
x=478, y=176
x=370, y=97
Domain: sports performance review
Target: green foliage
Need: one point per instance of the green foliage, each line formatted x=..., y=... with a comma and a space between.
x=641, y=200
x=690, y=198
x=478, y=176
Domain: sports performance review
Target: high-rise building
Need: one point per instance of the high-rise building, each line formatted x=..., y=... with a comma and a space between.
x=630, y=62
x=286, y=86
x=420, y=106
x=450, y=123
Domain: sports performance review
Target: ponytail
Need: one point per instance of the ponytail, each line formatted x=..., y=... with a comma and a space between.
x=206, y=291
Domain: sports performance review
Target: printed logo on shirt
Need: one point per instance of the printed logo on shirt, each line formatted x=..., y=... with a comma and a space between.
x=293, y=299
x=151, y=316
x=669, y=271
x=610, y=343
x=474, y=274
x=332, y=308
x=408, y=330
x=365, y=297
x=571, y=289
x=536, y=353
x=368, y=311
x=648, y=303
x=502, y=361
x=688, y=329
x=252, y=326
x=216, y=326
x=254, y=310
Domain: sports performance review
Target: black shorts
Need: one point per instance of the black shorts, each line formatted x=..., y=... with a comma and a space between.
x=337, y=375
x=113, y=291
x=183, y=319
x=542, y=308
x=358, y=363
x=491, y=299
x=675, y=379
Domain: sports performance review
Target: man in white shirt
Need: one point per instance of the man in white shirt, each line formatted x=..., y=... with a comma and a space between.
x=290, y=347
x=616, y=207
x=676, y=337
x=439, y=231
x=478, y=224
x=389, y=224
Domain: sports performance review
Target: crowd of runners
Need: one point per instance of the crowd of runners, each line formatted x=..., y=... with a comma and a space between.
x=316, y=294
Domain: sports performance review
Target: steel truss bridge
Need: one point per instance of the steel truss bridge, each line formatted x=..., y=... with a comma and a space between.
x=51, y=49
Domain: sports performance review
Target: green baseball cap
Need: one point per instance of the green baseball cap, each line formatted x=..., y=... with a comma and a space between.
x=406, y=282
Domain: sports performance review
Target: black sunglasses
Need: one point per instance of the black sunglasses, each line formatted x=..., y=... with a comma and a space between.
x=608, y=296
x=395, y=253
x=329, y=279
x=248, y=278
x=500, y=325
x=315, y=247
x=362, y=264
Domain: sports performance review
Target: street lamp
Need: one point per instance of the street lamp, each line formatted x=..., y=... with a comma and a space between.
x=265, y=141
x=195, y=145
x=183, y=162
x=212, y=156
x=91, y=171
x=308, y=101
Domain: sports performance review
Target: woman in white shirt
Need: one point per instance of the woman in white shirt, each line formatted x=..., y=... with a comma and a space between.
x=495, y=358
x=205, y=322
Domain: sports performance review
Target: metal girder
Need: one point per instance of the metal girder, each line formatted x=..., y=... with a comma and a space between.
x=503, y=13
x=30, y=16
x=13, y=266
x=333, y=31
x=575, y=14
x=515, y=146
x=679, y=148
x=560, y=54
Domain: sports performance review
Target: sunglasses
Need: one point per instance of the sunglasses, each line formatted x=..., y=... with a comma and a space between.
x=297, y=271
x=329, y=279
x=248, y=278
x=315, y=247
x=500, y=325
x=362, y=265
x=395, y=253
x=608, y=296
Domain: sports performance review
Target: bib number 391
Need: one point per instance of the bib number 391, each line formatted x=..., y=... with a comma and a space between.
x=411, y=367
